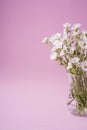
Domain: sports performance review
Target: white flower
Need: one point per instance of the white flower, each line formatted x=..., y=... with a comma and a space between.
x=72, y=49
x=55, y=37
x=83, y=44
x=62, y=53
x=65, y=36
x=67, y=25
x=54, y=48
x=74, y=60
x=64, y=47
x=53, y=56
x=45, y=40
x=84, y=65
x=75, y=33
x=69, y=66
x=84, y=34
x=71, y=61
x=58, y=44
x=76, y=26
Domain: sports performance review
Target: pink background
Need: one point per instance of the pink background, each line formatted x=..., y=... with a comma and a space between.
x=33, y=89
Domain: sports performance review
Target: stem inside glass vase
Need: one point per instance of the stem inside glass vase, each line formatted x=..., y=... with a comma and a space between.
x=77, y=100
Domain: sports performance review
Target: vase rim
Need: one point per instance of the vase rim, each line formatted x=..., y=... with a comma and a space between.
x=77, y=75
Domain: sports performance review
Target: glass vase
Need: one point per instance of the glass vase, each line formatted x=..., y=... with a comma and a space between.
x=77, y=99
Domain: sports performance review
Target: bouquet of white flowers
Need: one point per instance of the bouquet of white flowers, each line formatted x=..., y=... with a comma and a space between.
x=70, y=50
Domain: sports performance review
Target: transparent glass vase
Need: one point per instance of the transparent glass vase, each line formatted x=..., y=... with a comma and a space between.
x=77, y=99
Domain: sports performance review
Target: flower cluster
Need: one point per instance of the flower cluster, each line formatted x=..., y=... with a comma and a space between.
x=70, y=48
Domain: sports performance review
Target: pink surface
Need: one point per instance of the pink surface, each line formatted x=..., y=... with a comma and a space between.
x=33, y=89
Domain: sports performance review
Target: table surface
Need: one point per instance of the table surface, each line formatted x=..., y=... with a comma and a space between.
x=35, y=105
